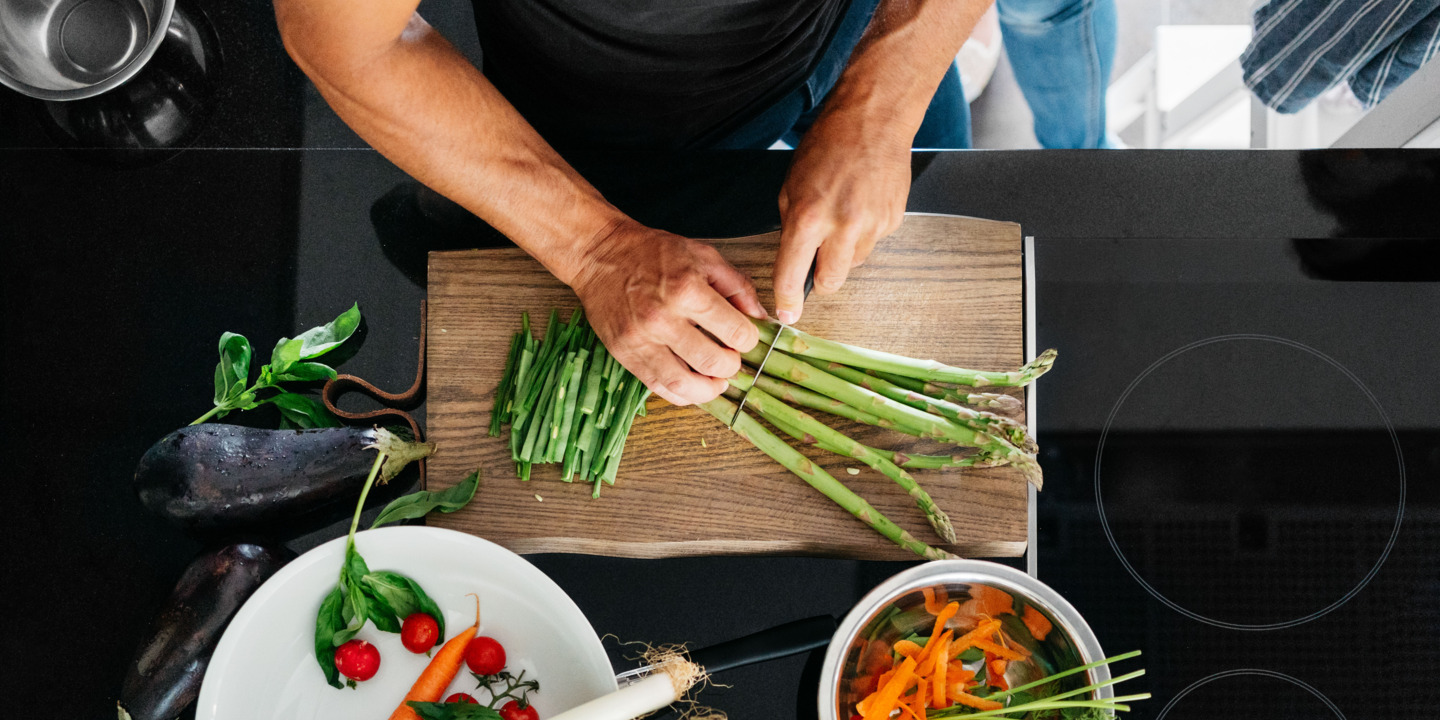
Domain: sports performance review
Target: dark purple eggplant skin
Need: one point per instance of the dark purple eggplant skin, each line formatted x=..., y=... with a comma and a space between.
x=213, y=476
x=164, y=678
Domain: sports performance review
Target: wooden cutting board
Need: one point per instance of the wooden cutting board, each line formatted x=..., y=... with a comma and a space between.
x=947, y=288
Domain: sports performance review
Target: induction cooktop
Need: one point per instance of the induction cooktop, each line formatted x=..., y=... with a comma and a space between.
x=1242, y=456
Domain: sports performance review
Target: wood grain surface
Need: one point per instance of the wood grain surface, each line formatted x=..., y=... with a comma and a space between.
x=947, y=288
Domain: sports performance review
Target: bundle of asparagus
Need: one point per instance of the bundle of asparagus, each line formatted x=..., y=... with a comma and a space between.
x=566, y=401
x=923, y=398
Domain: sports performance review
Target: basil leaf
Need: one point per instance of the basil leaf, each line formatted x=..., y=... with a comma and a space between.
x=306, y=372
x=354, y=610
x=972, y=654
x=318, y=341
x=327, y=623
x=286, y=353
x=452, y=711
x=395, y=591
x=304, y=411
x=381, y=613
x=234, y=366
x=422, y=503
x=355, y=567
x=404, y=596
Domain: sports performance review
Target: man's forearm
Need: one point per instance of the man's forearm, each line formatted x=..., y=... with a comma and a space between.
x=424, y=106
x=899, y=62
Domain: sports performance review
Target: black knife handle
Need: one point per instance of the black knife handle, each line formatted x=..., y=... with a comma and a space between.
x=810, y=280
x=780, y=641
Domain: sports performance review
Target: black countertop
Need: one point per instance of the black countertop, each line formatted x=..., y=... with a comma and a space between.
x=119, y=281
x=120, y=278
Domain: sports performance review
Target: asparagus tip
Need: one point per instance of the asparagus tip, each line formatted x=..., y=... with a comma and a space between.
x=941, y=523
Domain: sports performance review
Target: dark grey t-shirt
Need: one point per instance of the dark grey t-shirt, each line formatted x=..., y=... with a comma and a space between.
x=667, y=74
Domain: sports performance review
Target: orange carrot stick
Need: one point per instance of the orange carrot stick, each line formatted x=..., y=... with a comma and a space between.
x=888, y=698
x=908, y=649
x=942, y=665
x=997, y=650
x=921, y=694
x=995, y=672
x=1037, y=622
x=439, y=673
x=964, y=642
x=940, y=619
x=932, y=655
x=978, y=703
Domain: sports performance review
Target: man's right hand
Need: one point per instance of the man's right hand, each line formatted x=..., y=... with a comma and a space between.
x=649, y=294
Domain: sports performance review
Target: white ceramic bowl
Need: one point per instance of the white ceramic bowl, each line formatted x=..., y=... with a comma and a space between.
x=264, y=665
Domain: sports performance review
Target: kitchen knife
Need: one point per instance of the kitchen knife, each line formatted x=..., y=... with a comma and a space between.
x=809, y=285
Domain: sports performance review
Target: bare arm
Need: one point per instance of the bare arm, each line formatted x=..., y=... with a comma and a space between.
x=404, y=89
x=851, y=174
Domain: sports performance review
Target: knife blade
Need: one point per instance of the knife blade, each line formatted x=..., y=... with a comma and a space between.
x=809, y=285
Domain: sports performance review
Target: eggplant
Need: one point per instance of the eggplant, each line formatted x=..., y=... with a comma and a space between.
x=165, y=676
x=214, y=477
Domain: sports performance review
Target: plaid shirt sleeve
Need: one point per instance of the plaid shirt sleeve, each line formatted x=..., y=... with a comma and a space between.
x=1301, y=48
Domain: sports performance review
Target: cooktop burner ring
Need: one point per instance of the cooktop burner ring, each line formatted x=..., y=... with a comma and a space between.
x=1253, y=672
x=1134, y=573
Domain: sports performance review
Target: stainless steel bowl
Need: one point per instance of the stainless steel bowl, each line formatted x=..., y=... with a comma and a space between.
x=74, y=49
x=869, y=628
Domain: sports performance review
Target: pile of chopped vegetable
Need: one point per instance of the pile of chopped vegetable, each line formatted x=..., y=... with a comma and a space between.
x=958, y=667
x=566, y=401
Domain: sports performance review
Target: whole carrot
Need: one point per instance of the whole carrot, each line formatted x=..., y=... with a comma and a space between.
x=439, y=673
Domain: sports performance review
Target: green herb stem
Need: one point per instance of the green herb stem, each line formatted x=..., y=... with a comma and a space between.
x=208, y=415
x=1067, y=673
x=360, y=506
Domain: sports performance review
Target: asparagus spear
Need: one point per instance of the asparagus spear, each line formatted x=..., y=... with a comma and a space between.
x=996, y=402
x=907, y=419
x=800, y=343
x=779, y=414
x=980, y=421
x=904, y=460
x=747, y=427
x=793, y=393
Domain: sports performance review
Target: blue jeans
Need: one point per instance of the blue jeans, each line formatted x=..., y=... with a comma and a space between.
x=1062, y=52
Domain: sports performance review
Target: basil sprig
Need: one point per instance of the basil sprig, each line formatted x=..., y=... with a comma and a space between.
x=424, y=502
x=452, y=711
x=290, y=362
x=382, y=597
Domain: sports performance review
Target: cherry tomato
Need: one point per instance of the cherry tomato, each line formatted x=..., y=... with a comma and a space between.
x=513, y=711
x=462, y=698
x=419, y=632
x=485, y=656
x=357, y=660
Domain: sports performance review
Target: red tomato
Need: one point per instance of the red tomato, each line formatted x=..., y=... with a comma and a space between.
x=357, y=660
x=419, y=633
x=462, y=698
x=513, y=711
x=485, y=656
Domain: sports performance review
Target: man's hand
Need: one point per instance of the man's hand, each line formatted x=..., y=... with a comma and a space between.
x=846, y=189
x=851, y=174
x=649, y=295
